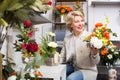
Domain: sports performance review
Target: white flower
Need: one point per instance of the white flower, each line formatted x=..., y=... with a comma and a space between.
x=12, y=77
x=32, y=73
x=97, y=43
x=52, y=44
x=109, y=56
x=116, y=52
x=50, y=34
x=26, y=60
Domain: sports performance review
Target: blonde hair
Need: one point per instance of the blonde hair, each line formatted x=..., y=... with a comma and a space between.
x=70, y=18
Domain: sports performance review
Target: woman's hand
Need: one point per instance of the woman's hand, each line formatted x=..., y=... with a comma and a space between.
x=94, y=50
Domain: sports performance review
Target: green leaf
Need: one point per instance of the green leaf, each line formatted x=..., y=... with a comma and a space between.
x=15, y=6
x=4, y=5
x=3, y=22
x=114, y=34
x=28, y=1
x=19, y=36
x=22, y=14
x=109, y=30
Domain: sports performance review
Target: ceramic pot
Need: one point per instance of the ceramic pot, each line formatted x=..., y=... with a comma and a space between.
x=112, y=74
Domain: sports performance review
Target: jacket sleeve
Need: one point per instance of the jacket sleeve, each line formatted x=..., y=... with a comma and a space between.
x=95, y=58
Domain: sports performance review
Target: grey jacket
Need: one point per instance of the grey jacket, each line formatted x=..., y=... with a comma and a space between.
x=85, y=60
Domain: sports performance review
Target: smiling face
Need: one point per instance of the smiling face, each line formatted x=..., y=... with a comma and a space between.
x=77, y=25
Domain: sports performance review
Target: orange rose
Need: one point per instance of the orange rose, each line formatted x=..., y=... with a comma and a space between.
x=62, y=11
x=98, y=25
x=69, y=9
x=92, y=35
x=58, y=7
x=104, y=51
x=106, y=35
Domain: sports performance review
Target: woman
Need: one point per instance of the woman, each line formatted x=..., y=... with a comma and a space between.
x=81, y=58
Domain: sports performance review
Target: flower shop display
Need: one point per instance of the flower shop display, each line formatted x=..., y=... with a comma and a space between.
x=48, y=48
x=62, y=11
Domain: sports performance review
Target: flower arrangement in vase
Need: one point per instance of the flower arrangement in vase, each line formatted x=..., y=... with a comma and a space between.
x=48, y=47
x=62, y=11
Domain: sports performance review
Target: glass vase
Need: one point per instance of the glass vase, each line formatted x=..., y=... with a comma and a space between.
x=49, y=61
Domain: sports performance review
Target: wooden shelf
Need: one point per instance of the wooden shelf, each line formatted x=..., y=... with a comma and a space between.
x=105, y=2
x=69, y=0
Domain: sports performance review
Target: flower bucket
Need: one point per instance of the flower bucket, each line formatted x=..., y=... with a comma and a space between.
x=63, y=18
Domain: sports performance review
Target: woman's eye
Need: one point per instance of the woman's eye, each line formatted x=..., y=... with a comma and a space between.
x=82, y=20
x=77, y=21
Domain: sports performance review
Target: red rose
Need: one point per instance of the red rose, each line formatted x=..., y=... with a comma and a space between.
x=49, y=3
x=32, y=47
x=30, y=34
x=27, y=23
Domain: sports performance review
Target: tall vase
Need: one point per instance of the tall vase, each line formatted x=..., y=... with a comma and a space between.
x=63, y=18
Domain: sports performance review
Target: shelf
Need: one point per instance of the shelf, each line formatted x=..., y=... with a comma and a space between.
x=104, y=2
x=59, y=23
x=69, y=0
x=39, y=19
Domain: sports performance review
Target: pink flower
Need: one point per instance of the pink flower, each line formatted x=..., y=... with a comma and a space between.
x=49, y=3
x=27, y=23
x=32, y=47
x=30, y=34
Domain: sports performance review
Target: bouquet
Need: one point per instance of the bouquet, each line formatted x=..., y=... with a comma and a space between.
x=100, y=39
x=100, y=36
x=62, y=10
